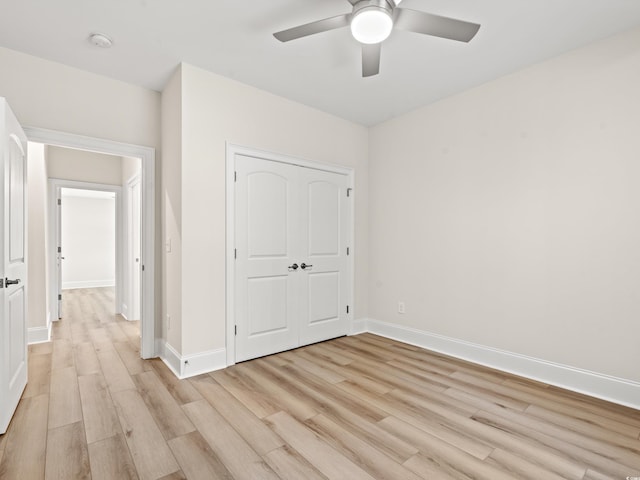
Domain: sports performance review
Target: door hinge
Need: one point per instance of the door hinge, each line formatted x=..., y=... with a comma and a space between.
x=143, y=268
x=59, y=296
x=235, y=253
x=59, y=201
x=347, y=250
x=59, y=249
x=235, y=332
x=1, y=282
x=349, y=190
x=235, y=176
x=347, y=308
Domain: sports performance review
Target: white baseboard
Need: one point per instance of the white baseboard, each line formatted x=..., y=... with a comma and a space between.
x=171, y=358
x=191, y=365
x=39, y=334
x=124, y=311
x=88, y=284
x=358, y=326
x=613, y=389
x=124, y=315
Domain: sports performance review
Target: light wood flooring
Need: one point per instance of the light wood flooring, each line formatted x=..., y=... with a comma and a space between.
x=353, y=408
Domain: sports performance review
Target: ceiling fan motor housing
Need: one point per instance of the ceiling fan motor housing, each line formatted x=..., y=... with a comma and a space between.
x=384, y=5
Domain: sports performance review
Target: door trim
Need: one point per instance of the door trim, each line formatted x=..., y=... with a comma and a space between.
x=231, y=151
x=149, y=343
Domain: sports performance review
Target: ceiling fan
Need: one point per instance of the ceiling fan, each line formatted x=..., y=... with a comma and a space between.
x=371, y=22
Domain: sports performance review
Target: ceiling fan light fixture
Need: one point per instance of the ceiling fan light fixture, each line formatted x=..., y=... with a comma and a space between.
x=371, y=22
x=371, y=25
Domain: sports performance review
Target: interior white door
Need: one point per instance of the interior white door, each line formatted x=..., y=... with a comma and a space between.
x=291, y=263
x=134, y=248
x=13, y=322
x=325, y=227
x=266, y=242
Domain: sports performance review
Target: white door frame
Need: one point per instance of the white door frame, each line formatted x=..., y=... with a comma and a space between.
x=149, y=343
x=55, y=185
x=231, y=151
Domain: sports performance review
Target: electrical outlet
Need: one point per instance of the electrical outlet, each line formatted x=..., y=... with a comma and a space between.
x=401, y=307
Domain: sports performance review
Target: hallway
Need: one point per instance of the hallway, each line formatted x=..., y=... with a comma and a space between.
x=93, y=352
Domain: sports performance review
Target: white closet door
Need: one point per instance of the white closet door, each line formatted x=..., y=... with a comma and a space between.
x=291, y=264
x=324, y=291
x=13, y=314
x=266, y=243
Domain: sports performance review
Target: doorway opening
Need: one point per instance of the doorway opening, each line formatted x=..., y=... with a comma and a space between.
x=145, y=204
x=86, y=251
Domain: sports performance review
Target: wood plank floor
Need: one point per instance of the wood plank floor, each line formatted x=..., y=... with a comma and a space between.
x=360, y=407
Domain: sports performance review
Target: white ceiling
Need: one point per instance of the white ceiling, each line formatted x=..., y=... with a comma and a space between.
x=234, y=38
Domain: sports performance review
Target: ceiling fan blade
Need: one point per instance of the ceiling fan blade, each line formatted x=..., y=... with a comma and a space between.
x=319, y=26
x=371, y=59
x=435, y=25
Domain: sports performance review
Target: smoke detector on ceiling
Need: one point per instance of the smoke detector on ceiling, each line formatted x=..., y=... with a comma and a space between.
x=100, y=40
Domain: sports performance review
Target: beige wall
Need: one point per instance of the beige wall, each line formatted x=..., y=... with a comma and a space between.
x=37, y=236
x=83, y=166
x=172, y=211
x=88, y=239
x=216, y=110
x=508, y=215
x=50, y=95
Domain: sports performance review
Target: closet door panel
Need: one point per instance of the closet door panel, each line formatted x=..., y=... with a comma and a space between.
x=266, y=238
x=323, y=303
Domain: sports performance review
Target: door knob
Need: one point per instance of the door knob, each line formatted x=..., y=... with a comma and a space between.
x=305, y=266
x=293, y=267
x=8, y=282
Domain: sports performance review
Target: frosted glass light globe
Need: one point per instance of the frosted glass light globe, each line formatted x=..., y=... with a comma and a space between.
x=371, y=25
